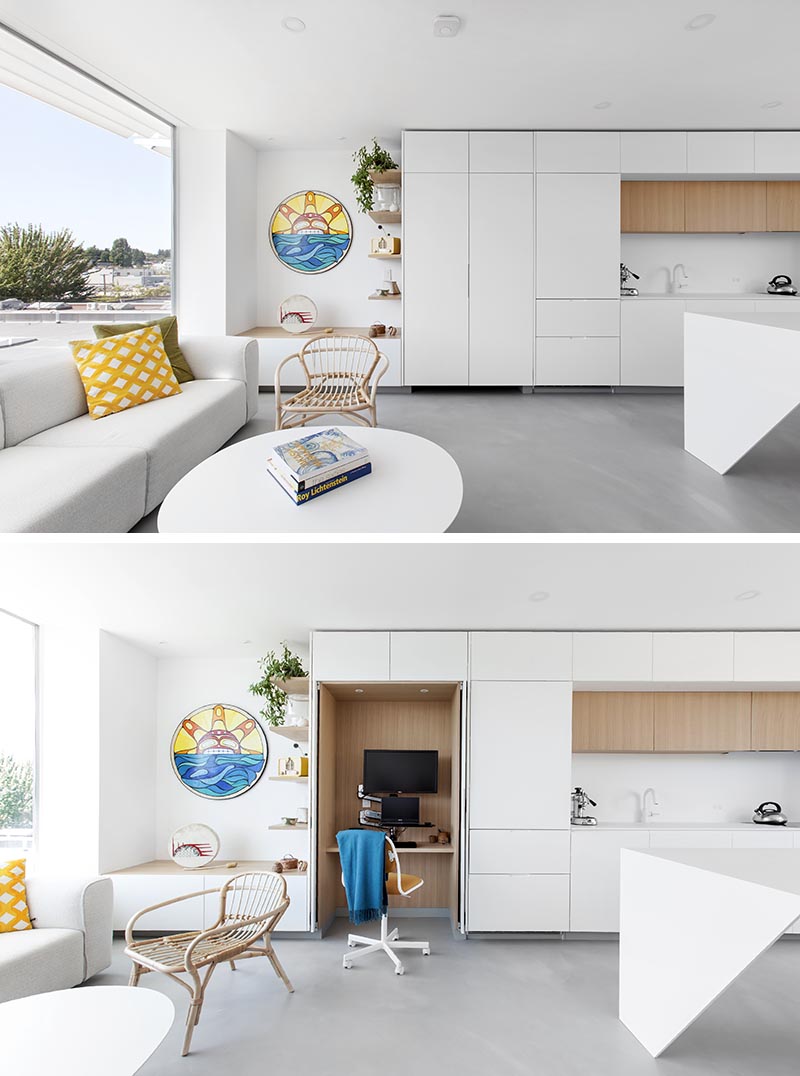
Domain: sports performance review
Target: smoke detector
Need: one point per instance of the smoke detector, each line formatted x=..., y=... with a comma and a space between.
x=446, y=25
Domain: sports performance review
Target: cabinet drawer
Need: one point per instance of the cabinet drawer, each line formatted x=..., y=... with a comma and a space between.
x=683, y=838
x=763, y=837
x=520, y=851
x=720, y=306
x=577, y=360
x=577, y=317
x=525, y=902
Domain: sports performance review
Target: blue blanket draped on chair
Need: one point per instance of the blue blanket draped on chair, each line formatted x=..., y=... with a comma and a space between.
x=362, y=853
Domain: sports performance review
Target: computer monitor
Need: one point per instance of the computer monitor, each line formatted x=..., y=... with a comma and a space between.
x=401, y=771
x=400, y=811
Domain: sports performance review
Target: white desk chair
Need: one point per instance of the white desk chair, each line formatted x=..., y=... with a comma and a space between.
x=397, y=884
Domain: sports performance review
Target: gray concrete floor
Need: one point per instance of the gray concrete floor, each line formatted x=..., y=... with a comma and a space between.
x=476, y=1008
x=588, y=463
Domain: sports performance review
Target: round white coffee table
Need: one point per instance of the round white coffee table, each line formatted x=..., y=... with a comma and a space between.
x=415, y=486
x=89, y=1031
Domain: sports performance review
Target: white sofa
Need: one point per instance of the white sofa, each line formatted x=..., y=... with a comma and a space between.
x=63, y=471
x=70, y=941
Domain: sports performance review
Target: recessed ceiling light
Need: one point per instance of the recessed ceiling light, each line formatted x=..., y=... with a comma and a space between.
x=293, y=25
x=162, y=642
x=247, y=642
x=424, y=691
x=748, y=595
x=772, y=104
x=358, y=690
x=700, y=22
x=446, y=25
x=539, y=596
x=342, y=138
x=602, y=105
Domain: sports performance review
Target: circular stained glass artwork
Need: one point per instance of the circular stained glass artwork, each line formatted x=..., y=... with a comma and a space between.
x=310, y=232
x=219, y=752
x=194, y=846
x=297, y=314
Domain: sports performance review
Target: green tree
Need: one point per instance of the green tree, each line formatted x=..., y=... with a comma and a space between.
x=38, y=266
x=121, y=253
x=163, y=253
x=138, y=257
x=16, y=793
x=98, y=255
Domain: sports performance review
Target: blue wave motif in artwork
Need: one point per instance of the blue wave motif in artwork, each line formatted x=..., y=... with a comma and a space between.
x=219, y=775
x=310, y=253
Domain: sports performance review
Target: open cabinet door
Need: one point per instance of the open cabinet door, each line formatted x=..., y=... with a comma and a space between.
x=463, y=831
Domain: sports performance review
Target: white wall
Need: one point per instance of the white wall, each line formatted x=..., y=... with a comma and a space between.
x=718, y=263
x=241, y=232
x=183, y=686
x=127, y=729
x=690, y=788
x=341, y=293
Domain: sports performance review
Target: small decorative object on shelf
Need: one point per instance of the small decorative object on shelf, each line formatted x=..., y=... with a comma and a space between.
x=371, y=163
x=390, y=284
x=290, y=863
x=297, y=314
x=302, y=815
x=377, y=329
x=276, y=671
x=392, y=330
x=289, y=820
x=386, y=245
x=444, y=836
x=293, y=766
x=194, y=846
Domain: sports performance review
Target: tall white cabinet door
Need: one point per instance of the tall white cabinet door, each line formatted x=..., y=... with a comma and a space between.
x=350, y=655
x=435, y=269
x=501, y=280
x=428, y=655
x=520, y=758
x=577, y=236
x=651, y=348
x=501, y=151
x=435, y=151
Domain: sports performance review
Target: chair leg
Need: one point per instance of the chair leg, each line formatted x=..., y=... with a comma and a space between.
x=192, y=1016
x=273, y=959
x=136, y=972
x=233, y=965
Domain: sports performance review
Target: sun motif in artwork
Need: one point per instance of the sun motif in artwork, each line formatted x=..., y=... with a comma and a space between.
x=314, y=216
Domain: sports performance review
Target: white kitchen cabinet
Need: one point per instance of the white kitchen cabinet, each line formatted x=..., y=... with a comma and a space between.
x=763, y=837
x=720, y=306
x=693, y=656
x=612, y=655
x=577, y=360
x=501, y=151
x=428, y=655
x=501, y=336
x=518, y=903
x=522, y=851
x=720, y=152
x=521, y=655
x=646, y=153
x=784, y=305
x=577, y=317
x=435, y=151
x=350, y=655
x=594, y=882
x=577, y=151
x=651, y=343
x=577, y=236
x=777, y=152
x=520, y=757
x=690, y=838
x=132, y=892
x=272, y=351
x=761, y=656
x=435, y=279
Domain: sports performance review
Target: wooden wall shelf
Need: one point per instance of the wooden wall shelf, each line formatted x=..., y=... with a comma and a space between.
x=383, y=216
x=386, y=257
x=392, y=177
x=298, y=733
x=276, y=777
x=282, y=825
x=379, y=298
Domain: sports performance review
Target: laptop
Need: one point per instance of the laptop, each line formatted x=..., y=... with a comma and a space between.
x=400, y=811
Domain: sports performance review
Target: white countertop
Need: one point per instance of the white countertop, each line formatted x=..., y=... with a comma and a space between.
x=721, y=295
x=684, y=825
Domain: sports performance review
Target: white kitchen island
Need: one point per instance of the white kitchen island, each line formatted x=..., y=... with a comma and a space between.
x=691, y=921
x=741, y=378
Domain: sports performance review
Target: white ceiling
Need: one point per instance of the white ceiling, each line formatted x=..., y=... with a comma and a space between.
x=373, y=67
x=200, y=599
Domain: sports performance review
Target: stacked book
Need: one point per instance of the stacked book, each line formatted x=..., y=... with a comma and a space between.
x=318, y=463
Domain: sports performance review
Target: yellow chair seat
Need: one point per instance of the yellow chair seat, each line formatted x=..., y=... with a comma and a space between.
x=409, y=881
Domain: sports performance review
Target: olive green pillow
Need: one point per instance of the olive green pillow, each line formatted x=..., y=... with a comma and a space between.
x=169, y=332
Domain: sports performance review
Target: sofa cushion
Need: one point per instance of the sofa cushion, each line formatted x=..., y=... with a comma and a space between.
x=35, y=961
x=14, y=914
x=169, y=331
x=176, y=434
x=37, y=392
x=72, y=489
x=122, y=372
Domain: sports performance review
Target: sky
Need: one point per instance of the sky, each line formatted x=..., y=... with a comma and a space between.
x=62, y=172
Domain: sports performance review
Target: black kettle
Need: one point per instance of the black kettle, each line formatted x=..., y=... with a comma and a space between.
x=781, y=285
x=769, y=814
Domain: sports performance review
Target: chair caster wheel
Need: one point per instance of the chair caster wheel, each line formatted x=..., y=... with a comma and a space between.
x=351, y=945
x=399, y=970
x=426, y=952
x=347, y=966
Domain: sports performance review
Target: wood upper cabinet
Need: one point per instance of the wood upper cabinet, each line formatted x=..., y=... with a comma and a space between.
x=783, y=207
x=612, y=721
x=649, y=207
x=726, y=207
x=776, y=721
x=702, y=721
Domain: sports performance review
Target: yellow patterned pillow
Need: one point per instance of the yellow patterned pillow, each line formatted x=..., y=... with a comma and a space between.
x=14, y=914
x=122, y=371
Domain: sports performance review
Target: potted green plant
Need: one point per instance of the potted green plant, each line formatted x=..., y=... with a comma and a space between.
x=277, y=672
x=369, y=159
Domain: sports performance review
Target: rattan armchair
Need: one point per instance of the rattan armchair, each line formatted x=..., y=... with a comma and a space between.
x=249, y=908
x=341, y=372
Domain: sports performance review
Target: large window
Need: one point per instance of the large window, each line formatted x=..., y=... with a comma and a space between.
x=17, y=733
x=85, y=202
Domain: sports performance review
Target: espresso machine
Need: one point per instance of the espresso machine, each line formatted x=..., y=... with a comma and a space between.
x=580, y=801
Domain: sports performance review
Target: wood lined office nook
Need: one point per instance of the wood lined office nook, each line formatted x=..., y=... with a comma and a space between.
x=358, y=717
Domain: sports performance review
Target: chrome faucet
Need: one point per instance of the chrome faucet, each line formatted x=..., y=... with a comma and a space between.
x=649, y=812
x=678, y=285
